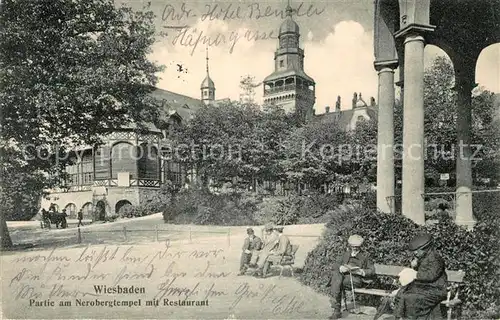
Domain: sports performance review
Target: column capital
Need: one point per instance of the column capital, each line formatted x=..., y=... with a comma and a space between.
x=415, y=29
x=387, y=64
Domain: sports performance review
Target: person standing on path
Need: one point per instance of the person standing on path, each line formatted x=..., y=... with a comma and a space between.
x=80, y=218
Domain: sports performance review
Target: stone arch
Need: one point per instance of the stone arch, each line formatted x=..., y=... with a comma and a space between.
x=101, y=210
x=87, y=210
x=123, y=159
x=432, y=52
x=386, y=22
x=54, y=206
x=489, y=53
x=123, y=207
x=71, y=210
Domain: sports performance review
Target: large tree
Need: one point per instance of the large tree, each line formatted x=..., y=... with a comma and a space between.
x=233, y=141
x=319, y=152
x=69, y=71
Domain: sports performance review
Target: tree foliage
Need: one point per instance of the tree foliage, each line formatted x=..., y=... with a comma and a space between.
x=233, y=141
x=69, y=71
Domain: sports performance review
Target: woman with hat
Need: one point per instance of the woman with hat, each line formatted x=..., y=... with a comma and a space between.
x=418, y=299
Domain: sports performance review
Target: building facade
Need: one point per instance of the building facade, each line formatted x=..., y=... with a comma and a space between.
x=127, y=169
x=289, y=86
x=347, y=118
x=292, y=89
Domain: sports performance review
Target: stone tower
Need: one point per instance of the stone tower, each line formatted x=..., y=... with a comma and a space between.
x=289, y=86
x=207, y=87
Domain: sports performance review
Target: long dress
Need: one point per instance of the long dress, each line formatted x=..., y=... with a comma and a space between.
x=418, y=299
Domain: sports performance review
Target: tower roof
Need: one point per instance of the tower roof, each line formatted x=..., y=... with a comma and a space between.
x=289, y=25
x=286, y=73
x=207, y=82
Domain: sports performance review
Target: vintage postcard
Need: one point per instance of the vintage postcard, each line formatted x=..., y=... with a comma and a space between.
x=264, y=159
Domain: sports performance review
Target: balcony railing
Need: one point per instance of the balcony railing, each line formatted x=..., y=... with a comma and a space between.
x=286, y=87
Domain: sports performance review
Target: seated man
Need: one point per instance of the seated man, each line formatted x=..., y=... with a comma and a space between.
x=251, y=247
x=279, y=247
x=283, y=249
x=418, y=299
x=268, y=237
x=354, y=264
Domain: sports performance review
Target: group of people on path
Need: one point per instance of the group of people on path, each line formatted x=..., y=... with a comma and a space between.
x=423, y=290
x=420, y=293
x=260, y=254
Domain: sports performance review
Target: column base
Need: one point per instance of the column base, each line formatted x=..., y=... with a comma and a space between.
x=464, y=215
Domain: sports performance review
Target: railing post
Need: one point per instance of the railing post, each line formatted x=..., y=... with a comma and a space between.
x=229, y=237
x=79, y=235
x=125, y=232
x=156, y=230
x=190, y=236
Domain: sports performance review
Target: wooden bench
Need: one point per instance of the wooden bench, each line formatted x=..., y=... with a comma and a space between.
x=287, y=261
x=282, y=262
x=455, y=280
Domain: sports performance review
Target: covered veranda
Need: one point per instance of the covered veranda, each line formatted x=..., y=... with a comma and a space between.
x=461, y=28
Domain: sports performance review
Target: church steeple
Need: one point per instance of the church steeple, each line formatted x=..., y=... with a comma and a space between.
x=207, y=86
x=289, y=86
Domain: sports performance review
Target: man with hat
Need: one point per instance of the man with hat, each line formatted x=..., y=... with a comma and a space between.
x=251, y=247
x=355, y=269
x=282, y=249
x=268, y=242
x=418, y=299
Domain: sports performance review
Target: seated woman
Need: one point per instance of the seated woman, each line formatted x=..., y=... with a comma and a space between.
x=420, y=297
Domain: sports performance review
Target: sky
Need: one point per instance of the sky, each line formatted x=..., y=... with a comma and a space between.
x=336, y=35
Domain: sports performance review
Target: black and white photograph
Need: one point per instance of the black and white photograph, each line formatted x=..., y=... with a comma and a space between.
x=250, y=159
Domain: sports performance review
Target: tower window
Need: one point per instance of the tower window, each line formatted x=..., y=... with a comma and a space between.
x=282, y=63
x=205, y=93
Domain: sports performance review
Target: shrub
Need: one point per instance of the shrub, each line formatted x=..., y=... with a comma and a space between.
x=157, y=203
x=111, y=218
x=205, y=208
x=386, y=238
x=297, y=209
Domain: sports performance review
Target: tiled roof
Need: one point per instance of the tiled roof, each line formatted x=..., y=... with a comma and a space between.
x=184, y=105
x=174, y=103
x=343, y=118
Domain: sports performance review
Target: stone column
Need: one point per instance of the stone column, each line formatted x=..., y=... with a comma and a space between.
x=464, y=83
x=413, y=129
x=385, y=136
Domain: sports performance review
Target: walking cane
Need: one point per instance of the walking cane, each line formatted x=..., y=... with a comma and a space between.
x=353, y=295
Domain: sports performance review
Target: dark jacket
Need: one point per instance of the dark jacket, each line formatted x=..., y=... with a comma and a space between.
x=361, y=260
x=254, y=244
x=431, y=271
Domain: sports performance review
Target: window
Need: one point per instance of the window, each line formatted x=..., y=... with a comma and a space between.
x=205, y=93
x=101, y=163
x=148, y=163
x=173, y=172
x=86, y=170
x=72, y=175
x=123, y=159
x=282, y=63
